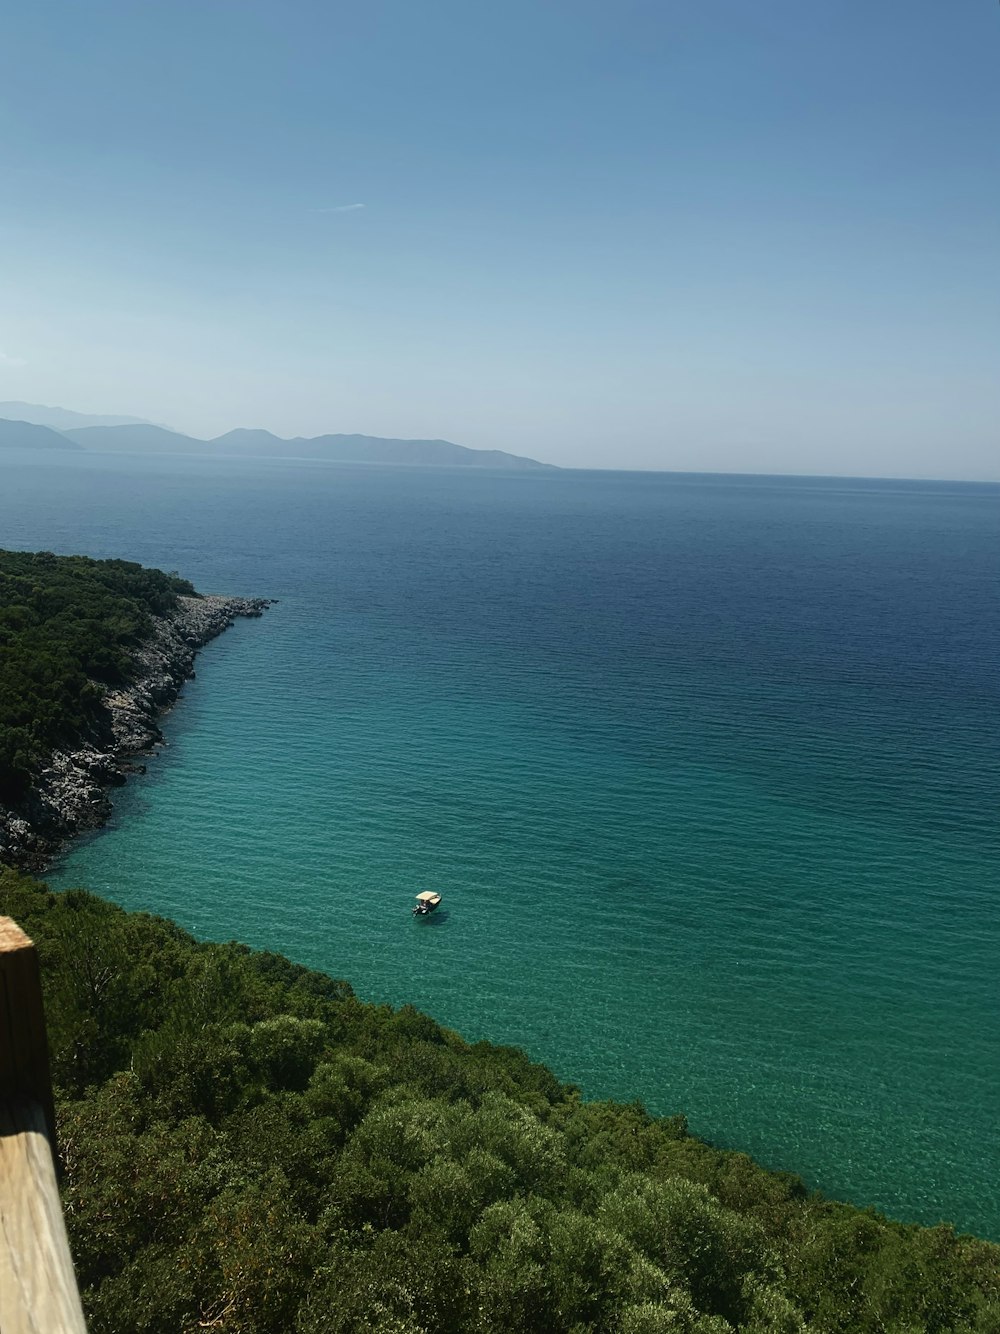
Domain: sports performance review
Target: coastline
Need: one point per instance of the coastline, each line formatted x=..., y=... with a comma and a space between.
x=70, y=795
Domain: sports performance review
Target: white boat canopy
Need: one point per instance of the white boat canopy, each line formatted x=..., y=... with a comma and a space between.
x=428, y=896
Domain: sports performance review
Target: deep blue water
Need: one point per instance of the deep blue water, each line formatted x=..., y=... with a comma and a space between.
x=707, y=768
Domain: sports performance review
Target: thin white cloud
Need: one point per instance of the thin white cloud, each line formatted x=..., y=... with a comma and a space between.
x=340, y=208
x=11, y=362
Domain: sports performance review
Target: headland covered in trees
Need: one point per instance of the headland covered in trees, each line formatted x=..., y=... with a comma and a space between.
x=248, y=1147
x=91, y=652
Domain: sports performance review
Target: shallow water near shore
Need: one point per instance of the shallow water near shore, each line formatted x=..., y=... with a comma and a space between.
x=706, y=768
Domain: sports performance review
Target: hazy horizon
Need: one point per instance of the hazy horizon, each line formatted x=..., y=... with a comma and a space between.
x=71, y=432
x=664, y=237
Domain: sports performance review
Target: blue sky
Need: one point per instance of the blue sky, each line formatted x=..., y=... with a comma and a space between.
x=712, y=235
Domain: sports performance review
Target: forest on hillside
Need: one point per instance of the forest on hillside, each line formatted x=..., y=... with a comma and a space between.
x=67, y=624
x=249, y=1148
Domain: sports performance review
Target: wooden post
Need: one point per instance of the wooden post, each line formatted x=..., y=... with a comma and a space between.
x=24, y=1048
x=38, y=1292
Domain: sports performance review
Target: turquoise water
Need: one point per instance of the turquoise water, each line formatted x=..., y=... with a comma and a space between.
x=708, y=770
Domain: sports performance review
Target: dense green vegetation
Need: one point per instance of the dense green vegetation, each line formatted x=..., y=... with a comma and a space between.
x=66, y=625
x=250, y=1148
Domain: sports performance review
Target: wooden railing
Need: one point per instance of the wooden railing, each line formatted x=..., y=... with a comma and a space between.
x=38, y=1292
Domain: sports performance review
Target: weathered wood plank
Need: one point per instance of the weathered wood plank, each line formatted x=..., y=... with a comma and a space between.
x=38, y=1292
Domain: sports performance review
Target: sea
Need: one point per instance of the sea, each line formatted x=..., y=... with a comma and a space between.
x=706, y=768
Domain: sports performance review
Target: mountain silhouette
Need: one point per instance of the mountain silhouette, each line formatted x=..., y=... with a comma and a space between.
x=27, y=435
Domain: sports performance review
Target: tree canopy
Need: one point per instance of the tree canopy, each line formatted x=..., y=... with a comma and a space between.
x=67, y=625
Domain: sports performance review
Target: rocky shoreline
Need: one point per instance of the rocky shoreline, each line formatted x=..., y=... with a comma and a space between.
x=70, y=794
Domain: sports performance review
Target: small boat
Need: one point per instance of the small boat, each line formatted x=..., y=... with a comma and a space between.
x=426, y=902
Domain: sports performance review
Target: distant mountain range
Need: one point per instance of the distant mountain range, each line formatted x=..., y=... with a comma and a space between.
x=128, y=435
x=60, y=419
